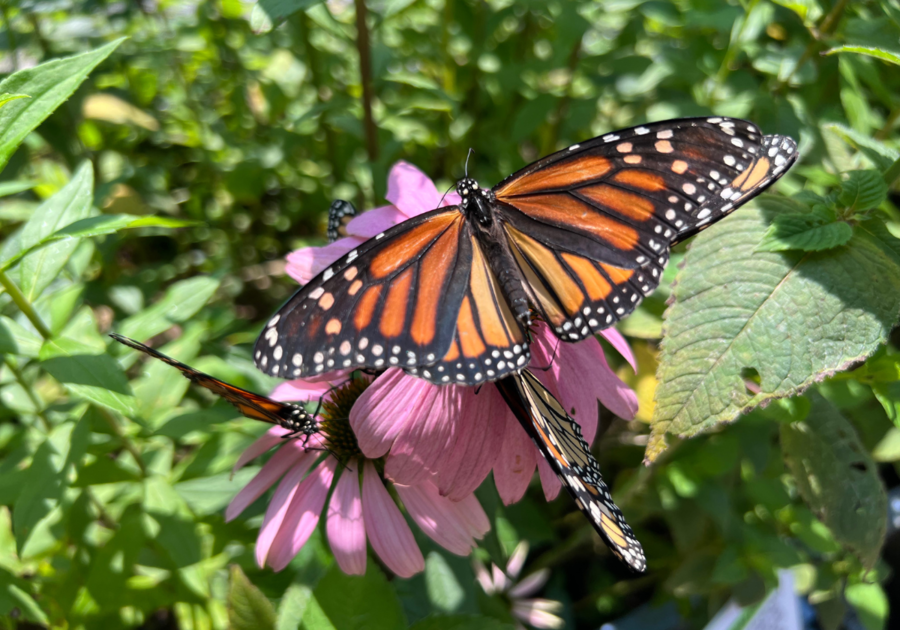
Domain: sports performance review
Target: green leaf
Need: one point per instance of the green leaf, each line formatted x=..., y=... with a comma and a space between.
x=86, y=374
x=881, y=155
x=352, y=602
x=208, y=495
x=269, y=13
x=808, y=10
x=878, y=53
x=71, y=203
x=48, y=85
x=293, y=606
x=98, y=226
x=863, y=190
x=837, y=478
x=13, y=596
x=6, y=98
x=461, y=622
x=888, y=394
x=791, y=317
x=871, y=604
x=15, y=187
x=180, y=303
x=16, y=339
x=248, y=608
x=805, y=232
x=444, y=590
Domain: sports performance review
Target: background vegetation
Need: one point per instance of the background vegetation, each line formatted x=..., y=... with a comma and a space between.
x=244, y=121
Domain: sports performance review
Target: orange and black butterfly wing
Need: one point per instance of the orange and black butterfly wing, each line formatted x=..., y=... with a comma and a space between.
x=292, y=417
x=420, y=296
x=489, y=342
x=560, y=441
x=591, y=226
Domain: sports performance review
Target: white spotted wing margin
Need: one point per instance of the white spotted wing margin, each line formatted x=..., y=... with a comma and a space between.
x=560, y=441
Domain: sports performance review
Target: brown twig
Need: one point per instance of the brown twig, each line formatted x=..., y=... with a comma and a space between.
x=365, y=72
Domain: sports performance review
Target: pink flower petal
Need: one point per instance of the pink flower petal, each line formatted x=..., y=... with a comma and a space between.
x=538, y=613
x=515, y=464
x=278, y=507
x=586, y=376
x=289, y=455
x=549, y=479
x=262, y=444
x=305, y=264
x=388, y=531
x=482, y=575
x=302, y=516
x=452, y=525
x=530, y=584
x=617, y=341
x=345, y=526
x=426, y=438
x=373, y=222
x=517, y=560
x=411, y=190
x=481, y=421
x=300, y=390
x=383, y=409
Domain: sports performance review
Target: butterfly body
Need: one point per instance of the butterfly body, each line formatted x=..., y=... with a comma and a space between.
x=577, y=239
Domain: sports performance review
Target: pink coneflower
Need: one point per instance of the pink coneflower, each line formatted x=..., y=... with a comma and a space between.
x=453, y=434
x=536, y=612
x=353, y=514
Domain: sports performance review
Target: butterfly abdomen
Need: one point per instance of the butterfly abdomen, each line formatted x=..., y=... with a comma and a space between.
x=508, y=275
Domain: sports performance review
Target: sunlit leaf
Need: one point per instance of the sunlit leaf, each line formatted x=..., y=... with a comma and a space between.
x=804, y=232
x=48, y=86
x=878, y=53
x=248, y=608
x=791, y=317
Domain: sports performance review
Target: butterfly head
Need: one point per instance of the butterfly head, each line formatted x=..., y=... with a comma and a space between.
x=475, y=199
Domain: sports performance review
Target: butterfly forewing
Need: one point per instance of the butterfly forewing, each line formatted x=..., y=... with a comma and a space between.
x=560, y=441
x=616, y=204
x=254, y=406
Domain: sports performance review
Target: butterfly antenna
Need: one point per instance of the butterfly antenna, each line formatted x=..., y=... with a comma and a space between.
x=468, y=155
x=552, y=358
x=447, y=192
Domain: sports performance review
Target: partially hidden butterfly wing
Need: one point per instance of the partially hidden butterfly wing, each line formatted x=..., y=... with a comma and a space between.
x=591, y=226
x=254, y=406
x=419, y=296
x=560, y=441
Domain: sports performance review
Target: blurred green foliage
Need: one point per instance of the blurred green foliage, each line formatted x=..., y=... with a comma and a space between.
x=241, y=122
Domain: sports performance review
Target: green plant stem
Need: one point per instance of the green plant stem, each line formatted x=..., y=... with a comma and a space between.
x=103, y=517
x=825, y=27
x=24, y=305
x=365, y=72
x=885, y=131
x=734, y=47
x=20, y=379
x=129, y=446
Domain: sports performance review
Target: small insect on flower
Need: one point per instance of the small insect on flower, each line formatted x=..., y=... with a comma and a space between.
x=294, y=418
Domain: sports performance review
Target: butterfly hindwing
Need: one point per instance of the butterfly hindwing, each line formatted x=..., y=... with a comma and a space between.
x=254, y=406
x=560, y=441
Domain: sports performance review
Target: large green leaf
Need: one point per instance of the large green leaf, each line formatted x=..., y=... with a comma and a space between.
x=48, y=85
x=88, y=374
x=72, y=203
x=180, y=303
x=792, y=318
x=353, y=602
x=837, y=478
x=879, y=53
x=97, y=226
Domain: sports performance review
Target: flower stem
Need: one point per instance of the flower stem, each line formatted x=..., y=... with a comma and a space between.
x=20, y=379
x=24, y=305
x=365, y=71
x=129, y=446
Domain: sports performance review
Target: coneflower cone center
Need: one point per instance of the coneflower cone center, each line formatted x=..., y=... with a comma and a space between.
x=334, y=419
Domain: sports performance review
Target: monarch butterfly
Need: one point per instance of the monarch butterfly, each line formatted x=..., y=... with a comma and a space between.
x=578, y=237
x=339, y=214
x=294, y=418
x=559, y=439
